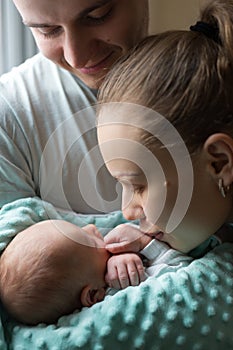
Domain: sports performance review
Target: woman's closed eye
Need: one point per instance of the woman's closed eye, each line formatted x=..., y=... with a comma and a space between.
x=132, y=187
x=138, y=188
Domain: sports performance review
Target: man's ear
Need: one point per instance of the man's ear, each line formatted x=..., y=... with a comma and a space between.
x=90, y=296
x=219, y=151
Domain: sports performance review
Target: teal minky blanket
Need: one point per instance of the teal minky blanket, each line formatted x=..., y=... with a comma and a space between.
x=191, y=309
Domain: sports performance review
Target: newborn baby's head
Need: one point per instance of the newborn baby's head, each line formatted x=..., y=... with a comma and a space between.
x=50, y=269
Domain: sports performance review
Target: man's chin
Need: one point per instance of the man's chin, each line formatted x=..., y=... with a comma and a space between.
x=93, y=82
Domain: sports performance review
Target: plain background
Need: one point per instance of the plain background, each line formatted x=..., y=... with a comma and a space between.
x=173, y=14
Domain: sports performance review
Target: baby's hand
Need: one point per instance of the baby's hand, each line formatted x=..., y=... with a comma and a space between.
x=126, y=238
x=124, y=270
x=92, y=230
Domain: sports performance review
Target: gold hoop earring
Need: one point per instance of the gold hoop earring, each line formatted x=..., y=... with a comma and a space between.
x=223, y=190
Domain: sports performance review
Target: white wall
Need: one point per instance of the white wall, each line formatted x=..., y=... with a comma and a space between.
x=173, y=14
x=16, y=41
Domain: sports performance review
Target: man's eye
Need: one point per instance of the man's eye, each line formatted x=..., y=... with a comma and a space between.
x=49, y=32
x=100, y=15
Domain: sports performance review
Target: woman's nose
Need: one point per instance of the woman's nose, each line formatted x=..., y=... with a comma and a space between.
x=133, y=212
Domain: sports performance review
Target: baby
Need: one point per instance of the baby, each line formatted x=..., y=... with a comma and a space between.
x=55, y=273
x=60, y=268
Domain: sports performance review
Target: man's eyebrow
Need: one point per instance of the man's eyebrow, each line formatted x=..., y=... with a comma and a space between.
x=81, y=15
x=37, y=25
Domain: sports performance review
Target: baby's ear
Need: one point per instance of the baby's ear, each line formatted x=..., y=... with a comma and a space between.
x=219, y=151
x=91, y=296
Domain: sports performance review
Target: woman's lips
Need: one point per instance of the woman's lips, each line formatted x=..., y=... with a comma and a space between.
x=159, y=235
x=97, y=67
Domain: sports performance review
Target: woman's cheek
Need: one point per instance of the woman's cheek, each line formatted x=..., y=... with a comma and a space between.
x=154, y=204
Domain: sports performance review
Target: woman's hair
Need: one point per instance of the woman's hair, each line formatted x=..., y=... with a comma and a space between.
x=185, y=76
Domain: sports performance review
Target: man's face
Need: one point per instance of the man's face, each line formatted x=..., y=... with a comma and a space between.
x=85, y=36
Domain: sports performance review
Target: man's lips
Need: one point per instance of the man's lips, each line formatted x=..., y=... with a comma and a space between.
x=97, y=67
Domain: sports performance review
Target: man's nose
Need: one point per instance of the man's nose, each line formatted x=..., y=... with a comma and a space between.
x=77, y=48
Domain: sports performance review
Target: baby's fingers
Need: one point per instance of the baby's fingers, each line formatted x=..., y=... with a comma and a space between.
x=133, y=274
x=117, y=275
x=123, y=276
x=117, y=248
x=112, y=281
x=136, y=273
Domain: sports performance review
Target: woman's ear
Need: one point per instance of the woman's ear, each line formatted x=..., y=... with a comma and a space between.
x=90, y=296
x=219, y=151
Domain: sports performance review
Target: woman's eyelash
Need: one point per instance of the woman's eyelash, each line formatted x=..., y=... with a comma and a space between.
x=135, y=188
x=139, y=189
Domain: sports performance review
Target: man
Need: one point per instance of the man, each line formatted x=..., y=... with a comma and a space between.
x=47, y=119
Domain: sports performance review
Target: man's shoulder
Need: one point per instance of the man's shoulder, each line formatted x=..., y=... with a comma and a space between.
x=39, y=79
x=31, y=64
x=25, y=80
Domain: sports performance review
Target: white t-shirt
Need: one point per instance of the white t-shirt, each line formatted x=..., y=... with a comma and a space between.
x=48, y=144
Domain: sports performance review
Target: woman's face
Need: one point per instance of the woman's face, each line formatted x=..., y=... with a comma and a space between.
x=151, y=184
x=85, y=36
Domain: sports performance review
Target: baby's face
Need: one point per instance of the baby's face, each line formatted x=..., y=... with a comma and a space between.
x=93, y=237
x=97, y=254
x=85, y=248
x=87, y=236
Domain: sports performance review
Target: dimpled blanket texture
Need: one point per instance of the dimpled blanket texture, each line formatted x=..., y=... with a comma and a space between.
x=190, y=309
